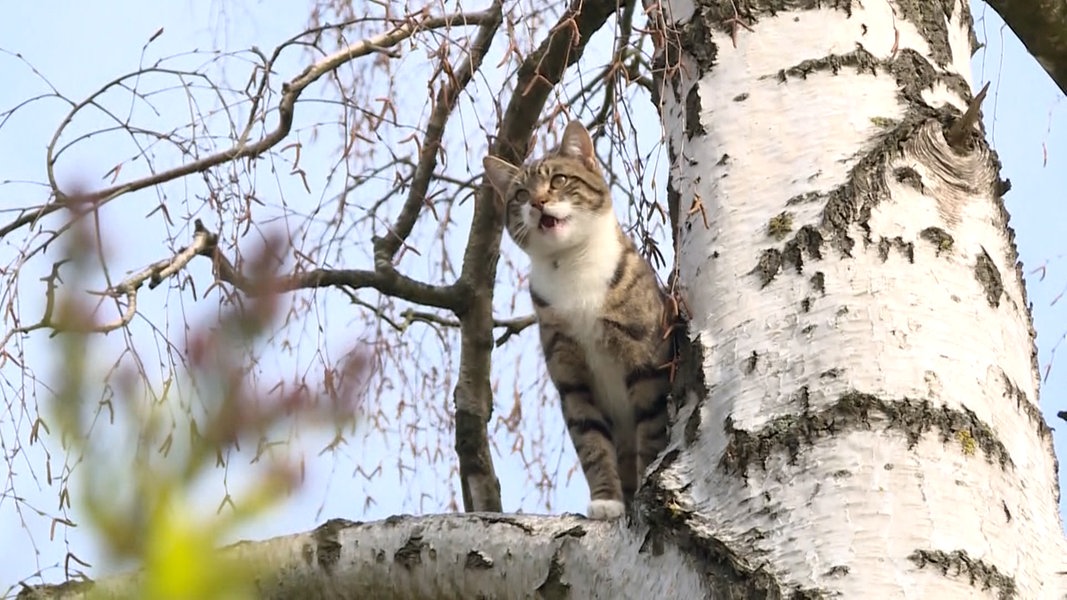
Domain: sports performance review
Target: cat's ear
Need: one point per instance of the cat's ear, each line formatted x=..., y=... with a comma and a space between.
x=500, y=174
x=577, y=143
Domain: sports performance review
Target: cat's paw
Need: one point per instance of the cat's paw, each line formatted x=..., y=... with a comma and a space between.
x=606, y=510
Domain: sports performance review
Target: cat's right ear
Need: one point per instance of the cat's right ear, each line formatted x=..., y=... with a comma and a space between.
x=500, y=174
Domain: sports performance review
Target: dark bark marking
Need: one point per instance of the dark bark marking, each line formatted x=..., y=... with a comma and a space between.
x=410, y=554
x=553, y=587
x=838, y=571
x=940, y=239
x=578, y=531
x=907, y=249
x=653, y=542
x=807, y=241
x=909, y=177
x=1002, y=186
x=988, y=276
x=854, y=411
x=804, y=198
x=749, y=364
x=833, y=373
x=818, y=282
x=692, y=426
x=327, y=548
x=476, y=559
x=1033, y=413
x=696, y=39
x=860, y=59
x=674, y=197
x=727, y=573
x=958, y=563
x=770, y=263
x=693, y=126
x=503, y=519
x=931, y=19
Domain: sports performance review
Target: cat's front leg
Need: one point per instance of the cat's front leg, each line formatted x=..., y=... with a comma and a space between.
x=591, y=431
x=590, y=428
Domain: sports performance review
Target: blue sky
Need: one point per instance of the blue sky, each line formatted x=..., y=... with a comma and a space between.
x=77, y=46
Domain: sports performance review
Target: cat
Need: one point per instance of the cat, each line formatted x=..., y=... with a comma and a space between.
x=602, y=315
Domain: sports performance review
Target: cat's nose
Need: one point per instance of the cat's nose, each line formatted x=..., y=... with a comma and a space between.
x=537, y=203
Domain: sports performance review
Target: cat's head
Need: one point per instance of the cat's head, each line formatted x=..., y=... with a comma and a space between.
x=557, y=202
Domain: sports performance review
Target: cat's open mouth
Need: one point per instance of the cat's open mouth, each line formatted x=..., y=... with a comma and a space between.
x=550, y=222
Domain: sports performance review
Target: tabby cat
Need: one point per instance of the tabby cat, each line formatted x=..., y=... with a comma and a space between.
x=601, y=314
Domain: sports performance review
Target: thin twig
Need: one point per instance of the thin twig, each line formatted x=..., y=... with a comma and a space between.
x=291, y=91
x=385, y=248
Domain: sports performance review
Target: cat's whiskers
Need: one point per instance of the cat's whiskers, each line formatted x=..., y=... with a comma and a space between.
x=599, y=309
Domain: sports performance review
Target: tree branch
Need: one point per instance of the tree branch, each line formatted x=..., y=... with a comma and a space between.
x=444, y=556
x=1042, y=27
x=385, y=280
x=385, y=248
x=291, y=91
x=511, y=326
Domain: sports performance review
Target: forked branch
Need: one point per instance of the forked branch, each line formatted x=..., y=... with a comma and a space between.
x=385, y=248
x=291, y=91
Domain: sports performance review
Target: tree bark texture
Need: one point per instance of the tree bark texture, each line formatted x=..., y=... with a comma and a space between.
x=473, y=555
x=1042, y=27
x=856, y=296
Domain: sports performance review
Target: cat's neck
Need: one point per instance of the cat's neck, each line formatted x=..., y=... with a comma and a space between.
x=597, y=255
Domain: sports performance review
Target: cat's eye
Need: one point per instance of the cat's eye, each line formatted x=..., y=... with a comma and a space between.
x=522, y=196
x=558, y=181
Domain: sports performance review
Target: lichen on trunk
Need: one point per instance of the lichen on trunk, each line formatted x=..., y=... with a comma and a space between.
x=855, y=293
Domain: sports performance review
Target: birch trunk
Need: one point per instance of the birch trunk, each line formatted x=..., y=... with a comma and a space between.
x=872, y=381
x=860, y=397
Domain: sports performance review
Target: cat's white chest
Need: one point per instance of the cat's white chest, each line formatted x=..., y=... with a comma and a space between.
x=575, y=289
x=576, y=298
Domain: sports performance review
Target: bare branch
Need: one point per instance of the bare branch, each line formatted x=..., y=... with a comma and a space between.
x=1040, y=26
x=49, y=306
x=513, y=327
x=957, y=133
x=49, y=320
x=291, y=91
x=446, y=556
x=385, y=280
x=385, y=248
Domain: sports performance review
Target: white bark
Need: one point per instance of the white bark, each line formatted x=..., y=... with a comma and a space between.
x=451, y=556
x=873, y=387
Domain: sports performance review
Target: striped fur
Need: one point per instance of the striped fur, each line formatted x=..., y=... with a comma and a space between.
x=600, y=311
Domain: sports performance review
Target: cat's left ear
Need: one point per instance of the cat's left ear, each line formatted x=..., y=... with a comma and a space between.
x=578, y=144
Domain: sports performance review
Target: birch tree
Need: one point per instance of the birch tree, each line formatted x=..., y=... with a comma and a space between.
x=858, y=394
